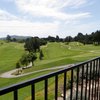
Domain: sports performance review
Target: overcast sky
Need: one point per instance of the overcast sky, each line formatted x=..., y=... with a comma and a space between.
x=49, y=17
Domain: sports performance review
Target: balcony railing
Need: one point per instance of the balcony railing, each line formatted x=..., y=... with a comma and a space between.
x=83, y=83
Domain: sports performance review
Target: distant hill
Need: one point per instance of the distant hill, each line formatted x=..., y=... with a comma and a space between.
x=19, y=37
x=16, y=37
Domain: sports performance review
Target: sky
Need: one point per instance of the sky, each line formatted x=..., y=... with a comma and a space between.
x=49, y=17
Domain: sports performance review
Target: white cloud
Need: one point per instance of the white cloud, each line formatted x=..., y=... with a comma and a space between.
x=45, y=29
x=11, y=24
x=28, y=28
x=4, y=15
x=55, y=4
x=73, y=28
x=51, y=8
x=61, y=24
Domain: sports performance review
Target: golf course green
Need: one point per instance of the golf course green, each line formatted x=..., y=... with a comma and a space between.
x=55, y=54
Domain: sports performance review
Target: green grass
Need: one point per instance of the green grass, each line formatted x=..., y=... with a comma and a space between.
x=55, y=54
x=9, y=55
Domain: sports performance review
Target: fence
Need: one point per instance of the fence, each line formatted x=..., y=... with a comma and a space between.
x=83, y=83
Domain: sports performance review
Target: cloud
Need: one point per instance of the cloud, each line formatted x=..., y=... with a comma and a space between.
x=75, y=27
x=4, y=15
x=57, y=20
x=51, y=8
x=27, y=28
x=13, y=25
x=54, y=4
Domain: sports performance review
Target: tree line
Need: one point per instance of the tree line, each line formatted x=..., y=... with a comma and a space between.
x=93, y=38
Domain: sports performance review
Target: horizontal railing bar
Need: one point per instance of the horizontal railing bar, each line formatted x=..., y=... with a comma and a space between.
x=38, y=79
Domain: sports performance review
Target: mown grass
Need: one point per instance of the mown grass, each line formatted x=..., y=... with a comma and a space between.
x=9, y=55
x=55, y=54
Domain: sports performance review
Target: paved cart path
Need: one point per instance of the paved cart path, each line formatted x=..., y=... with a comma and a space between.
x=9, y=73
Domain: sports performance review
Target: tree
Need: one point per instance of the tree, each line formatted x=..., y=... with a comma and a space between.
x=57, y=38
x=18, y=66
x=14, y=40
x=31, y=57
x=68, y=39
x=51, y=39
x=88, y=39
x=41, y=55
x=27, y=58
x=79, y=37
x=36, y=44
x=97, y=37
x=42, y=42
x=32, y=44
x=8, y=38
x=24, y=60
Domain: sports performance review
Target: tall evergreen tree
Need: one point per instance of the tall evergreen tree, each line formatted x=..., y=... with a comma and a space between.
x=41, y=55
x=57, y=38
x=8, y=38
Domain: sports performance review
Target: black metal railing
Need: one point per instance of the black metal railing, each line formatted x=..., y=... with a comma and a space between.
x=83, y=83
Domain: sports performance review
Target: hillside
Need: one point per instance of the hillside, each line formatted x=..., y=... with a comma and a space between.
x=55, y=54
x=16, y=37
x=9, y=55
